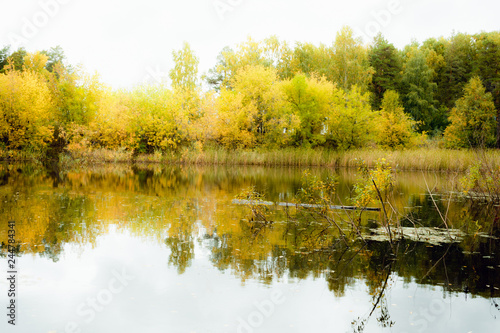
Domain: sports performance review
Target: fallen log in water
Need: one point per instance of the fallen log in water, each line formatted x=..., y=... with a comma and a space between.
x=431, y=235
x=290, y=204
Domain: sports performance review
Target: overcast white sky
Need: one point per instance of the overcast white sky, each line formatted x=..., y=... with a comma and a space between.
x=129, y=42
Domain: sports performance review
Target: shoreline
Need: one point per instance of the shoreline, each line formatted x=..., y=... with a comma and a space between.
x=422, y=159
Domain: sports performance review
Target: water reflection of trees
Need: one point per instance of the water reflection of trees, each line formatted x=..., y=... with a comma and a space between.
x=171, y=205
x=180, y=239
x=461, y=213
x=44, y=221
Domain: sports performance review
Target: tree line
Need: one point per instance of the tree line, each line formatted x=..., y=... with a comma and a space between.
x=265, y=94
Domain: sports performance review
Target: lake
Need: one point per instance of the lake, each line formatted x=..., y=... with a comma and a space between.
x=151, y=248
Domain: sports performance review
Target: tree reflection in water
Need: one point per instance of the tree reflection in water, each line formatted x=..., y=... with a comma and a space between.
x=186, y=208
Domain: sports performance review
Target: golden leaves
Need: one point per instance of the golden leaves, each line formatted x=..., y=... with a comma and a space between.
x=26, y=107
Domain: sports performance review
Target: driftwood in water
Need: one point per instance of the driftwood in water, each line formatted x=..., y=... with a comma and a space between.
x=431, y=235
x=290, y=204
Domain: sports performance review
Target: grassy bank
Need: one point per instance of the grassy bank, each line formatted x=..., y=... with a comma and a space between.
x=428, y=159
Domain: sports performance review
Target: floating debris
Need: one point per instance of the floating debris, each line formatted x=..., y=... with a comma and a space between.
x=291, y=204
x=433, y=236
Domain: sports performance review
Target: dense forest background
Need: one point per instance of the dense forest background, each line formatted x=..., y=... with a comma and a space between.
x=443, y=92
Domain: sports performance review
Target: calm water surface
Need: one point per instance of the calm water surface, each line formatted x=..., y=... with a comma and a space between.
x=163, y=249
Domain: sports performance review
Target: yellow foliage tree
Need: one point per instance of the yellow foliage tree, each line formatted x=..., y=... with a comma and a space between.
x=271, y=52
x=350, y=123
x=26, y=108
x=112, y=126
x=473, y=118
x=235, y=120
x=394, y=126
x=36, y=62
x=185, y=72
x=350, y=62
x=202, y=128
x=310, y=102
x=260, y=91
x=158, y=119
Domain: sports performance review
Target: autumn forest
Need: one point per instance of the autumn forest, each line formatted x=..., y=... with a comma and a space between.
x=444, y=92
